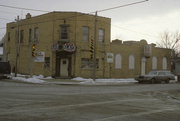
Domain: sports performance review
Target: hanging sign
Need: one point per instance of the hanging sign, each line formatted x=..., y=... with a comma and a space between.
x=69, y=47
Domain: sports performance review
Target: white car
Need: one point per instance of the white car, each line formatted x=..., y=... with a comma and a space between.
x=156, y=77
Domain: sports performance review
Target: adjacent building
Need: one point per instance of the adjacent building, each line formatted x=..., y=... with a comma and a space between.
x=63, y=44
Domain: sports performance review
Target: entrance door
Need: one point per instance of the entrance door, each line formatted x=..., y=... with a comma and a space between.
x=64, y=63
x=143, y=66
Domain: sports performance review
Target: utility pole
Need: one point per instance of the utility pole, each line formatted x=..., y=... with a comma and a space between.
x=95, y=40
x=17, y=46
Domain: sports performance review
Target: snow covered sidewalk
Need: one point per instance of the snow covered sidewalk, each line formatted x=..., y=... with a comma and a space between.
x=104, y=81
x=34, y=79
x=75, y=81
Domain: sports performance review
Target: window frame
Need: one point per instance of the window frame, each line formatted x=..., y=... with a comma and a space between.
x=88, y=63
x=131, y=62
x=85, y=33
x=101, y=35
x=36, y=34
x=64, y=32
x=21, y=36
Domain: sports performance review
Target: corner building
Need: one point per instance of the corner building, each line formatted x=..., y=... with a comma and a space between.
x=61, y=44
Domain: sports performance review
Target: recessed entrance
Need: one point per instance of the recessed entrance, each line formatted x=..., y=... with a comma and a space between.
x=64, y=63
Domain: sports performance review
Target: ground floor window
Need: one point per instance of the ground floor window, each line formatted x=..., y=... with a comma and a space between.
x=87, y=63
x=47, y=62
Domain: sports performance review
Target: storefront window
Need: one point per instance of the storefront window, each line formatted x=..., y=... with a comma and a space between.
x=87, y=63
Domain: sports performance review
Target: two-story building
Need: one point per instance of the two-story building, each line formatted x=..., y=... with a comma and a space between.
x=62, y=44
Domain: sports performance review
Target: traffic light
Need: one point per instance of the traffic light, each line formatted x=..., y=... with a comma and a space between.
x=92, y=49
x=33, y=50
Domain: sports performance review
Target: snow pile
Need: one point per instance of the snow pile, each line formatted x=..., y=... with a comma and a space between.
x=128, y=80
x=41, y=77
x=81, y=79
x=31, y=80
x=104, y=81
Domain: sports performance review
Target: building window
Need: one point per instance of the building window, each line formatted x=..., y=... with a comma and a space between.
x=47, y=62
x=131, y=62
x=87, y=63
x=30, y=35
x=21, y=36
x=118, y=61
x=164, y=63
x=154, y=63
x=101, y=34
x=36, y=34
x=64, y=32
x=85, y=33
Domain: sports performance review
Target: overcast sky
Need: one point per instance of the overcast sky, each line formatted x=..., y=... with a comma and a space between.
x=141, y=21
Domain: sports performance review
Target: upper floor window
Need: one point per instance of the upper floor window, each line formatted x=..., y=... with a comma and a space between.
x=64, y=32
x=21, y=36
x=36, y=34
x=30, y=35
x=101, y=35
x=131, y=62
x=85, y=33
x=9, y=37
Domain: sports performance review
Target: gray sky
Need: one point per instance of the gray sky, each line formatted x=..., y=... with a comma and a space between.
x=141, y=21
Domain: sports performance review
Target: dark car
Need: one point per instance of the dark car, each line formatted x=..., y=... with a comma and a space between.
x=156, y=77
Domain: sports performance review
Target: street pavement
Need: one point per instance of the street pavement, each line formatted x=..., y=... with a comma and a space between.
x=55, y=102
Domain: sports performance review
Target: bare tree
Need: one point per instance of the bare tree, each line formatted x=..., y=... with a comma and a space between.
x=170, y=40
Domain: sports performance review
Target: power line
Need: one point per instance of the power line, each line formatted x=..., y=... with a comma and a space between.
x=70, y=16
x=122, y=6
x=7, y=6
x=144, y=34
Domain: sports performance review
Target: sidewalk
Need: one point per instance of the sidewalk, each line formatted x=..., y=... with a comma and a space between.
x=61, y=81
x=82, y=81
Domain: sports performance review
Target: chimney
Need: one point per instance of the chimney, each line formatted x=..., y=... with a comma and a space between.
x=28, y=16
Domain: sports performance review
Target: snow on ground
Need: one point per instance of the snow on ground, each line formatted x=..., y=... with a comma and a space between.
x=33, y=79
x=78, y=80
x=104, y=81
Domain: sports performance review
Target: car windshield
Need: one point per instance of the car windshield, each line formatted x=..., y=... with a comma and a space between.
x=152, y=73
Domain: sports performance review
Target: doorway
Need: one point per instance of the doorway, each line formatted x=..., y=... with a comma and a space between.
x=64, y=64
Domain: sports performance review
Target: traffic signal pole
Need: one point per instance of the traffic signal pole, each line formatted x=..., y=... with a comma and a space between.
x=17, y=47
x=94, y=55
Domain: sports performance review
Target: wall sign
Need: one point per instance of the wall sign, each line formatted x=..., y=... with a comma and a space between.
x=39, y=57
x=110, y=57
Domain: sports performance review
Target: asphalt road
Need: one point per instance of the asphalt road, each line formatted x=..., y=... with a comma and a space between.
x=50, y=102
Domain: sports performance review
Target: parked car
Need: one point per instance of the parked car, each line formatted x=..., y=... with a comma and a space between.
x=5, y=69
x=156, y=77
